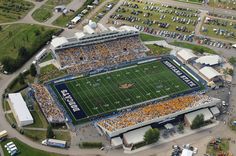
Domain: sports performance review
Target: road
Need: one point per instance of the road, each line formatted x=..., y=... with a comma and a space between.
x=198, y=139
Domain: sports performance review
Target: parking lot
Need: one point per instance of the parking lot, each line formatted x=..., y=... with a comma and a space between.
x=219, y=28
x=156, y=16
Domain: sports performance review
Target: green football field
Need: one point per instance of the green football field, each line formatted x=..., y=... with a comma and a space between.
x=107, y=92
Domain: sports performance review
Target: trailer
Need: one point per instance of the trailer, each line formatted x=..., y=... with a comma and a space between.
x=3, y=135
x=54, y=143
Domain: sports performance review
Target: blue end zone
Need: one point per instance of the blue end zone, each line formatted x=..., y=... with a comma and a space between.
x=70, y=101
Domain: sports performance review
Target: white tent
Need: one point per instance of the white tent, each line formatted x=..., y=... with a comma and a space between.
x=116, y=142
x=209, y=60
x=58, y=41
x=209, y=73
x=186, y=54
x=234, y=45
x=92, y=24
x=187, y=152
x=111, y=28
x=87, y=29
x=20, y=110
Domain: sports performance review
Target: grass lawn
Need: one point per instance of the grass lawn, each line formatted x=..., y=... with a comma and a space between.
x=12, y=10
x=10, y=118
x=39, y=119
x=15, y=36
x=39, y=135
x=26, y=150
x=222, y=147
x=47, y=58
x=16, y=86
x=46, y=11
x=6, y=106
x=107, y=92
x=191, y=1
x=195, y=48
x=35, y=135
x=50, y=72
x=126, y=12
x=157, y=50
x=147, y=37
x=228, y=4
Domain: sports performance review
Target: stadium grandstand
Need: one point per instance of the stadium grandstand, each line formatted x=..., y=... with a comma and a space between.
x=98, y=51
x=50, y=110
x=154, y=113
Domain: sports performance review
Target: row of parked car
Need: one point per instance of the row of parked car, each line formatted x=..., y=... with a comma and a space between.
x=11, y=148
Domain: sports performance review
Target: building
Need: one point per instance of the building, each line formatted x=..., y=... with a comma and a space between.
x=58, y=41
x=191, y=116
x=41, y=54
x=209, y=60
x=20, y=110
x=186, y=55
x=135, y=137
x=210, y=74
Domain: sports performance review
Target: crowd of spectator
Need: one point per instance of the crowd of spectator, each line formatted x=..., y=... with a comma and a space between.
x=153, y=111
x=84, y=58
x=50, y=110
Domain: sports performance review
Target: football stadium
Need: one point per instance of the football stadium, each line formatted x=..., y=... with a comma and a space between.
x=114, y=83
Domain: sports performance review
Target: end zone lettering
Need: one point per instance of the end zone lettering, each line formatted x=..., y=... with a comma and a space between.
x=68, y=98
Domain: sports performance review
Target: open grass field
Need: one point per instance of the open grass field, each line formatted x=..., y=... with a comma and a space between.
x=195, y=48
x=163, y=14
x=12, y=10
x=110, y=91
x=14, y=36
x=26, y=150
x=46, y=11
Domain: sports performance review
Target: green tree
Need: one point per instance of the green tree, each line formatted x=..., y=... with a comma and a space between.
x=232, y=60
x=180, y=127
x=198, y=121
x=33, y=71
x=8, y=64
x=0, y=28
x=152, y=135
x=23, y=53
x=50, y=133
x=21, y=79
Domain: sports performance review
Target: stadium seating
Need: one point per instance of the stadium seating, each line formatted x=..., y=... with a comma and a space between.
x=47, y=105
x=152, y=111
x=85, y=58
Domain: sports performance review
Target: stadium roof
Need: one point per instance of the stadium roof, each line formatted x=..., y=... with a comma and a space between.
x=40, y=54
x=206, y=112
x=209, y=60
x=136, y=136
x=79, y=35
x=58, y=41
x=20, y=107
x=116, y=142
x=186, y=54
x=209, y=72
